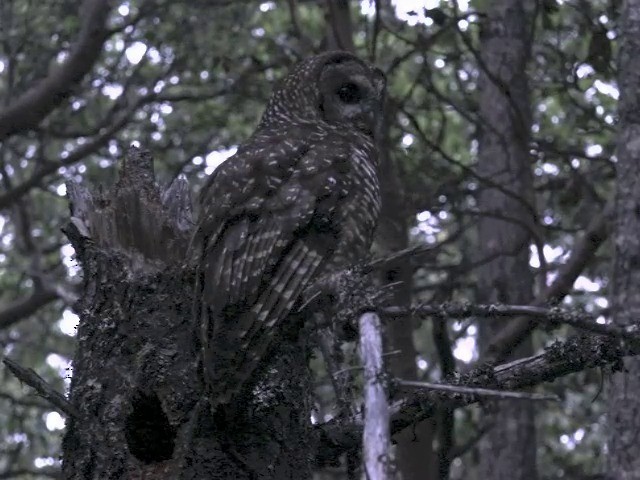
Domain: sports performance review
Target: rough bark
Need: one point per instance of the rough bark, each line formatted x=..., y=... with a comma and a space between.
x=136, y=382
x=507, y=451
x=624, y=391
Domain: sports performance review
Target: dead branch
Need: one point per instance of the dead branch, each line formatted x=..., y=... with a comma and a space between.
x=513, y=334
x=46, y=391
x=375, y=435
x=560, y=359
x=548, y=316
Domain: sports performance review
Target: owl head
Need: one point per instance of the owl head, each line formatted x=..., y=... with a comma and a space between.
x=334, y=87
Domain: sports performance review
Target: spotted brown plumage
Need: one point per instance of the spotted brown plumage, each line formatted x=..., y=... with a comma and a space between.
x=302, y=193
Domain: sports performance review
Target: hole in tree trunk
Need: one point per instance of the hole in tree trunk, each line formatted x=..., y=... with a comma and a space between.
x=150, y=436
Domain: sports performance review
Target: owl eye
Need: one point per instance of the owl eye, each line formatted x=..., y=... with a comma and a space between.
x=349, y=93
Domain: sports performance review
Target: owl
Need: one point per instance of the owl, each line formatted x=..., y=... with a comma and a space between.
x=300, y=196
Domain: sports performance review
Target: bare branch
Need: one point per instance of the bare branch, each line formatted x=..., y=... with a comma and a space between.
x=482, y=392
x=31, y=378
x=549, y=316
x=412, y=252
x=27, y=111
x=107, y=133
x=513, y=334
x=562, y=358
x=375, y=436
x=7, y=198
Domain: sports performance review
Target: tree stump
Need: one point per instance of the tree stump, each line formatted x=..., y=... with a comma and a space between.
x=137, y=383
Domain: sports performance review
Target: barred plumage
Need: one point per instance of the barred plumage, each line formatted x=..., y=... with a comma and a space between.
x=300, y=194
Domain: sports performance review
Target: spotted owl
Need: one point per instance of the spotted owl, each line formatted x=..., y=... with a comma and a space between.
x=299, y=196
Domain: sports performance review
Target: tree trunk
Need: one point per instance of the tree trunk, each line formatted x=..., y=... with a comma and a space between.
x=508, y=451
x=624, y=391
x=137, y=382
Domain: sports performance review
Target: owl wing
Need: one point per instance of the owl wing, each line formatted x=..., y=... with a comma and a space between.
x=272, y=221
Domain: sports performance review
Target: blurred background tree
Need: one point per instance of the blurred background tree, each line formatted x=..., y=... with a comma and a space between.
x=499, y=152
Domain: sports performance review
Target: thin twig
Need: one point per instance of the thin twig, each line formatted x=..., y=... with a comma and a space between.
x=46, y=391
x=484, y=392
x=342, y=371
